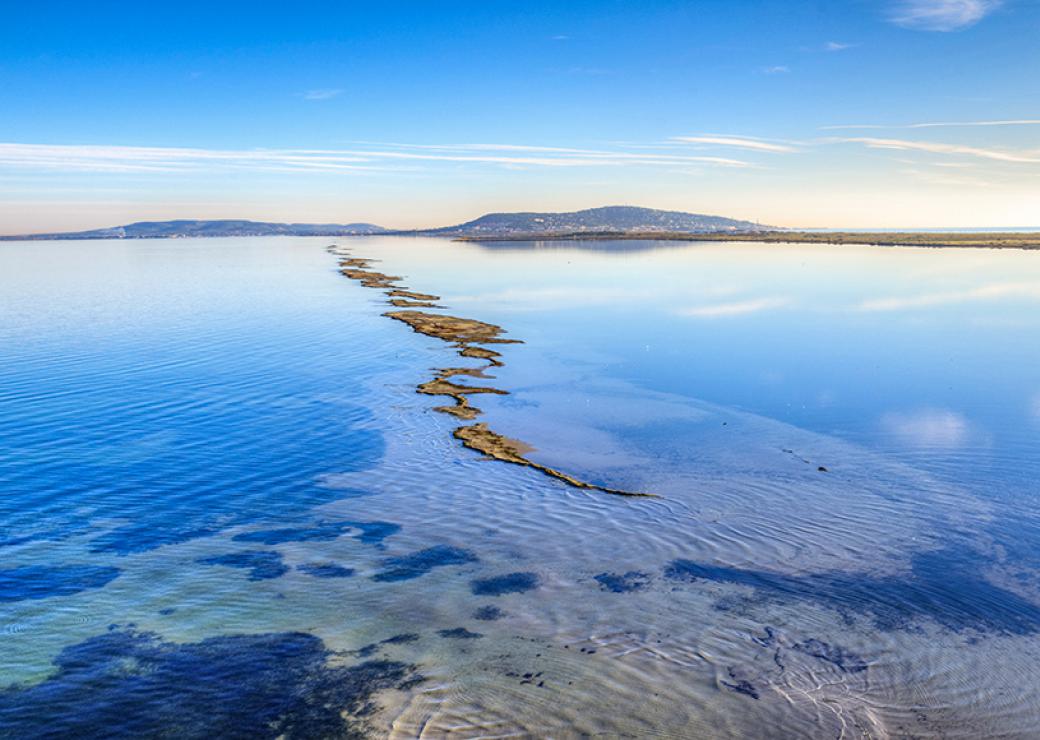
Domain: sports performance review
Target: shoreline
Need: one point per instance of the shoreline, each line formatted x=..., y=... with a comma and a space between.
x=946, y=240
x=1025, y=240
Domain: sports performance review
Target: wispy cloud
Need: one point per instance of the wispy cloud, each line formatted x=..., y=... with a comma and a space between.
x=934, y=124
x=324, y=94
x=992, y=291
x=737, y=142
x=999, y=155
x=372, y=157
x=927, y=427
x=837, y=46
x=940, y=15
x=734, y=308
x=779, y=69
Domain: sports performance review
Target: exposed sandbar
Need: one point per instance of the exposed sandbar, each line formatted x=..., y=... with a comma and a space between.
x=482, y=354
x=464, y=334
x=478, y=437
x=403, y=303
x=412, y=295
x=371, y=278
x=473, y=372
x=462, y=408
x=358, y=262
x=452, y=328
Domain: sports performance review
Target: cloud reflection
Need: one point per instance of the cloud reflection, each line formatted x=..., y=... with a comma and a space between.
x=541, y=299
x=981, y=293
x=734, y=308
x=927, y=427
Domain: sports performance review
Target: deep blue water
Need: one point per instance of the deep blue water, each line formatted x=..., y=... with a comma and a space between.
x=161, y=381
x=225, y=510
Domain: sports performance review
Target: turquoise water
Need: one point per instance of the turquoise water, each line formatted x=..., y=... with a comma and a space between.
x=226, y=511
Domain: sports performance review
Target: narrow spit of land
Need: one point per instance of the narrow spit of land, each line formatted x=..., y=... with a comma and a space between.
x=465, y=335
x=1004, y=240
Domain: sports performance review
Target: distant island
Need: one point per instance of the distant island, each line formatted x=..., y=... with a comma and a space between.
x=609, y=222
x=192, y=228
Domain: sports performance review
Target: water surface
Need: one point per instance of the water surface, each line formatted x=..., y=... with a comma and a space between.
x=225, y=503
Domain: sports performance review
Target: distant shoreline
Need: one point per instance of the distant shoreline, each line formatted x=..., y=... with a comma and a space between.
x=967, y=240
x=994, y=240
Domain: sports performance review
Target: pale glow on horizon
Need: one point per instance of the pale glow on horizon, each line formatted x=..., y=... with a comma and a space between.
x=817, y=183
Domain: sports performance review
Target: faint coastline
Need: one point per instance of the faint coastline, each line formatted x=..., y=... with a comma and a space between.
x=964, y=240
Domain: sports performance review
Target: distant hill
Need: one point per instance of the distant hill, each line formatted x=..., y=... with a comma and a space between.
x=174, y=229
x=607, y=220
x=618, y=219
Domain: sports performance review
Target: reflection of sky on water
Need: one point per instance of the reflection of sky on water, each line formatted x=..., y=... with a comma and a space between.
x=893, y=347
x=222, y=438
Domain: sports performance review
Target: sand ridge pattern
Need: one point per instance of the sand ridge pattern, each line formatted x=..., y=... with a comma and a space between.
x=465, y=335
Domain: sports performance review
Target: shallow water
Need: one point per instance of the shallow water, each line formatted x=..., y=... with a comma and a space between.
x=226, y=509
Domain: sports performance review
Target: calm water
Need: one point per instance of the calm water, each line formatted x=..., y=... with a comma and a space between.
x=226, y=511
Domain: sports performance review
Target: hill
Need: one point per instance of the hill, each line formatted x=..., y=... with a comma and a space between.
x=605, y=221
x=609, y=219
x=174, y=229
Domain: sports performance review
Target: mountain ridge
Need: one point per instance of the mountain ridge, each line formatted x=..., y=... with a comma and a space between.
x=605, y=219
x=183, y=228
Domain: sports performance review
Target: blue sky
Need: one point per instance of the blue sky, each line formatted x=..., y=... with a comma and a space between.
x=416, y=114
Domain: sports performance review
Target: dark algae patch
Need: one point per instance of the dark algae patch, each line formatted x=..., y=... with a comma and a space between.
x=465, y=335
x=30, y=582
x=261, y=564
x=129, y=684
x=510, y=583
x=846, y=660
x=416, y=564
x=946, y=586
x=401, y=639
x=325, y=570
x=841, y=658
x=142, y=537
x=370, y=532
x=740, y=685
x=459, y=633
x=488, y=613
x=620, y=583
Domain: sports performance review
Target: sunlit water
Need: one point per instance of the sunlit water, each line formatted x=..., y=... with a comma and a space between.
x=225, y=510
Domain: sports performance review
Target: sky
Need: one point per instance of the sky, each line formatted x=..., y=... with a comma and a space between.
x=854, y=114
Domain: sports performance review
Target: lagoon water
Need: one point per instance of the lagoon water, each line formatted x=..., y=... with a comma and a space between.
x=225, y=510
